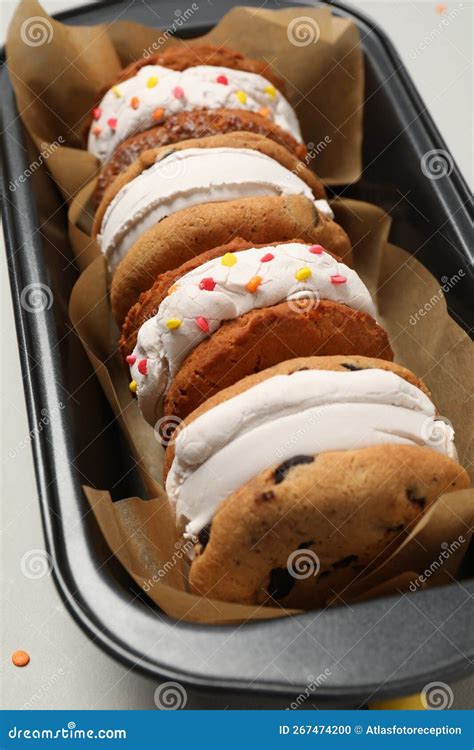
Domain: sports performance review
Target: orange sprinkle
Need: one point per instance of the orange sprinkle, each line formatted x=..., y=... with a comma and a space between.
x=134, y=102
x=253, y=284
x=265, y=112
x=158, y=113
x=97, y=130
x=172, y=289
x=20, y=658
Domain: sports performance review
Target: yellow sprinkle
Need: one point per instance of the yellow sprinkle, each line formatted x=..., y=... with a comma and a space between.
x=241, y=96
x=173, y=323
x=151, y=83
x=172, y=289
x=228, y=259
x=117, y=91
x=133, y=386
x=271, y=91
x=303, y=273
x=253, y=284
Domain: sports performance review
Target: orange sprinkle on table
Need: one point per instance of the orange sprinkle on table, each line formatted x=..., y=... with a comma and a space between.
x=20, y=658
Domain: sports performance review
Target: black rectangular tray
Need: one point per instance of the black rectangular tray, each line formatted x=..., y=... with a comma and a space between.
x=383, y=647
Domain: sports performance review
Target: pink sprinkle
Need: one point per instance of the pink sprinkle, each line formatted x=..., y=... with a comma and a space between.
x=131, y=359
x=96, y=113
x=178, y=92
x=222, y=79
x=207, y=284
x=202, y=324
x=266, y=258
x=142, y=367
x=316, y=249
x=337, y=279
x=112, y=122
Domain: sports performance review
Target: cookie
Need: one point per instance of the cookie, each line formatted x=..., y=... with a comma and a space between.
x=164, y=180
x=194, y=230
x=186, y=125
x=300, y=532
x=226, y=316
x=150, y=93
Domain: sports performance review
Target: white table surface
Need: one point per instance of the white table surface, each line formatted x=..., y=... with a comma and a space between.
x=67, y=670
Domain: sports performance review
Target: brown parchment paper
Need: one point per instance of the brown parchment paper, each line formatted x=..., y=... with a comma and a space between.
x=57, y=83
x=133, y=527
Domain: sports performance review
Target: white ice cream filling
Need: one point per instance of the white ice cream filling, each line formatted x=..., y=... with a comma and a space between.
x=306, y=413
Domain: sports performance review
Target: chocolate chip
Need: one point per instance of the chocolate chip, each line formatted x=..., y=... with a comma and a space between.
x=305, y=545
x=281, y=583
x=282, y=470
x=344, y=562
x=204, y=536
x=266, y=496
x=412, y=498
x=395, y=529
x=324, y=573
x=348, y=366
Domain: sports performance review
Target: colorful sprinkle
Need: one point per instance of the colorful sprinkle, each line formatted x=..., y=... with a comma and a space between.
x=207, y=284
x=316, y=249
x=112, y=123
x=152, y=82
x=20, y=658
x=270, y=91
x=96, y=113
x=241, y=96
x=143, y=367
x=178, y=92
x=172, y=289
x=303, y=273
x=133, y=386
x=134, y=102
x=222, y=79
x=266, y=258
x=253, y=284
x=228, y=259
x=202, y=323
x=131, y=359
x=173, y=323
x=158, y=114
x=97, y=130
x=116, y=91
x=338, y=279
x=264, y=111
